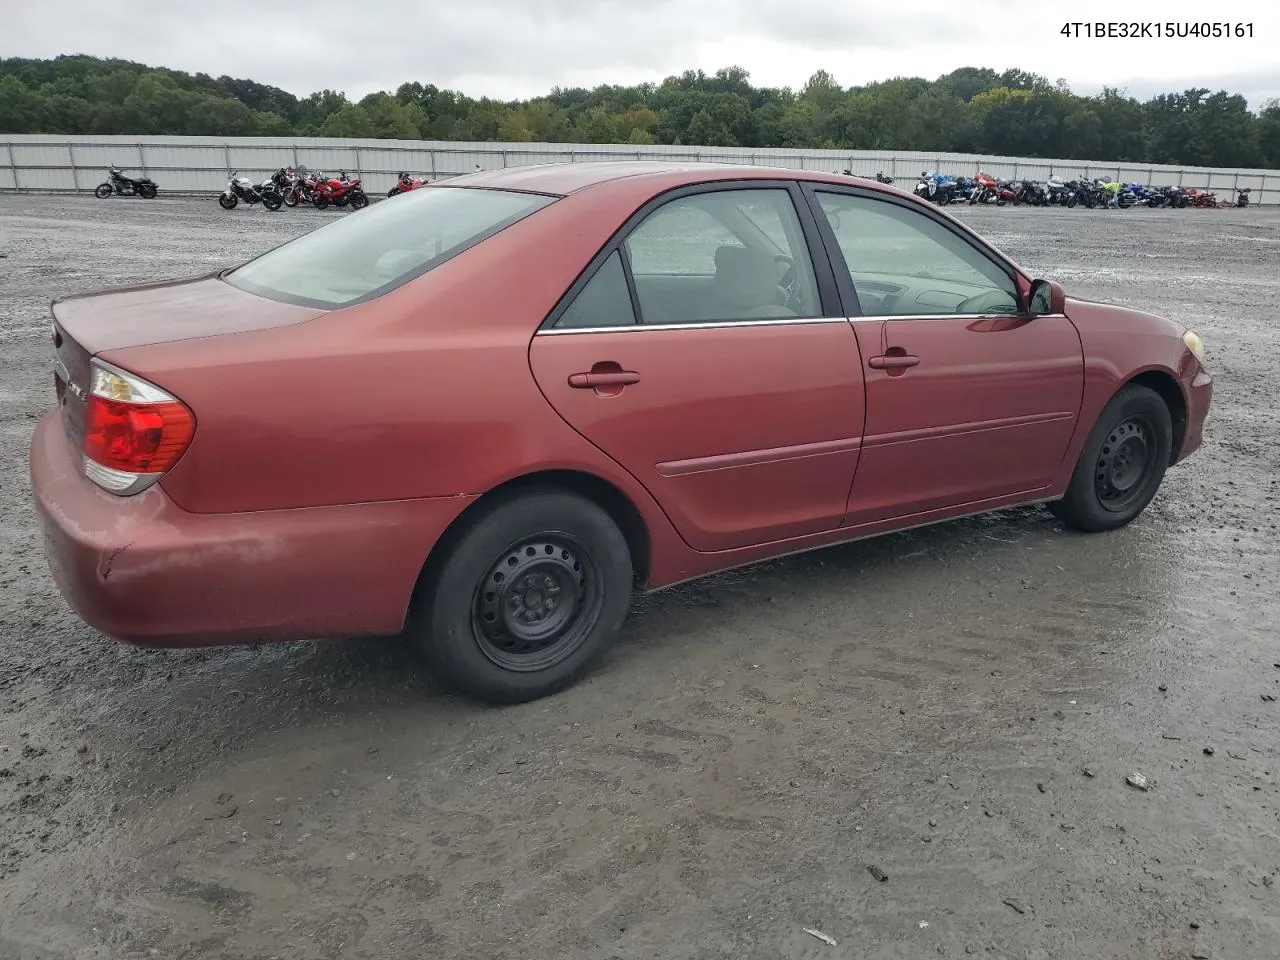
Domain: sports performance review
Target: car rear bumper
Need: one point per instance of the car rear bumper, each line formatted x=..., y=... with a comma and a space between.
x=144, y=571
x=1199, y=393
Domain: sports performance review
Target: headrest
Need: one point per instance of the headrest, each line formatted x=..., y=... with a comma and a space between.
x=745, y=277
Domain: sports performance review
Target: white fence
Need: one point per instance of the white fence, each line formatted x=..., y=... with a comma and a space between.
x=201, y=164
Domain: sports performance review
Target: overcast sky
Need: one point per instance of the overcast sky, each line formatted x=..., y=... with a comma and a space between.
x=520, y=48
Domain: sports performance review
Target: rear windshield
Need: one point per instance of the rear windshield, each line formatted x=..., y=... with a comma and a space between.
x=369, y=253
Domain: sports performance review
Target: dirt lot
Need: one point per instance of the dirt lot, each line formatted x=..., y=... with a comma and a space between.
x=927, y=703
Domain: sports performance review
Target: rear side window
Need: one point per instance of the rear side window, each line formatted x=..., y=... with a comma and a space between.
x=604, y=302
x=369, y=253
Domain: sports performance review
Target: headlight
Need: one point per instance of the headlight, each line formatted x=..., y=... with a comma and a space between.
x=1195, y=345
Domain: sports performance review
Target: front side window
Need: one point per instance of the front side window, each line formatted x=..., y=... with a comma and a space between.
x=372, y=252
x=725, y=255
x=904, y=263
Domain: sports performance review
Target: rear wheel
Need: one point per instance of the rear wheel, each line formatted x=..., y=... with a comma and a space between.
x=147, y=191
x=320, y=203
x=1122, y=463
x=358, y=200
x=271, y=200
x=393, y=191
x=527, y=598
x=102, y=191
x=291, y=198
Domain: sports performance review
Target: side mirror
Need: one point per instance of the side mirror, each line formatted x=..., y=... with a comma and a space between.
x=1046, y=297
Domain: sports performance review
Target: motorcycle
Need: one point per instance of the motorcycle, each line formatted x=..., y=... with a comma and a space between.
x=1086, y=191
x=881, y=177
x=1006, y=192
x=118, y=183
x=1242, y=196
x=985, y=189
x=936, y=188
x=405, y=183
x=242, y=188
x=1029, y=191
x=1158, y=197
x=964, y=188
x=340, y=191
x=1201, y=198
x=288, y=183
x=1058, y=194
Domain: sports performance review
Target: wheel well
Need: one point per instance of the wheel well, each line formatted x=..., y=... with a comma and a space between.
x=1171, y=394
x=601, y=492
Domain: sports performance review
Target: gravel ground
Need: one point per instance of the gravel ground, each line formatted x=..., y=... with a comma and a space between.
x=958, y=706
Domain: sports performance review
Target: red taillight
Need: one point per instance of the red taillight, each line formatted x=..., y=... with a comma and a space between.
x=133, y=431
x=136, y=437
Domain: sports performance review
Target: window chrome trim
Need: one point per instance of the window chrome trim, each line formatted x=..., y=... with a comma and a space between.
x=697, y=325
x=784, y=322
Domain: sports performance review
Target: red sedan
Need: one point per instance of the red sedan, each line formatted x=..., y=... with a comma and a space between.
x=487, y=411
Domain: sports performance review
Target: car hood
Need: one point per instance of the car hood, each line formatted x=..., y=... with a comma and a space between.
x=169, y=311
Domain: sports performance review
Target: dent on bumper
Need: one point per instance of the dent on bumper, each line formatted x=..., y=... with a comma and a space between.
x=144, y=571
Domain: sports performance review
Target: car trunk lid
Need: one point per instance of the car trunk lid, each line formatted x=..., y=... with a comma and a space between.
x=86, y=325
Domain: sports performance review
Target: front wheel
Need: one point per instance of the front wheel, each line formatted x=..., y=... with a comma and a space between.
x=528, y=595
x=102, y=191
x=358, y=200
x=320, y=203
x=393, y=191
x=272, y=201
x=291, y=198
x=228, y=201
x=1122, y=463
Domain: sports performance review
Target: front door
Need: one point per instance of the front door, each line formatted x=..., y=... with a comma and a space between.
x=969, y=399
x=696, y=352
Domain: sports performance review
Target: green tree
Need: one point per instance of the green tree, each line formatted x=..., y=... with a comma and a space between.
x=972, y=109
x=350, y=121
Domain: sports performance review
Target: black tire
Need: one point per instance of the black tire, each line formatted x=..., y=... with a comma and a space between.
x=147, y=191
x=569, y=547
x=320, y=203
x=228, y=202
x=393, y=191
x=358, y=200
x=1122, y=463
x=102, y=191
x=291, y=198
x=272, y=201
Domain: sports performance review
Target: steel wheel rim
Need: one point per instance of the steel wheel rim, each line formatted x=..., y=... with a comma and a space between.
x=1125, y=464
x=537, y=603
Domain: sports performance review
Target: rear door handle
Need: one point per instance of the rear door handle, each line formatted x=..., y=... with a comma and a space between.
x=619, y=378
x=894, y=362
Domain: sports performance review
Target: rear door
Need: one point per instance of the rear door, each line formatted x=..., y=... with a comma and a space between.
x=969, y=398
x=705, y=351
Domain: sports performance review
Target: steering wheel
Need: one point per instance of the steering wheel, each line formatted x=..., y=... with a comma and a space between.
x=787, y=283
x=989, y=301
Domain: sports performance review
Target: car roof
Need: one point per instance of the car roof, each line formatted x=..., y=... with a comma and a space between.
x=562, y=179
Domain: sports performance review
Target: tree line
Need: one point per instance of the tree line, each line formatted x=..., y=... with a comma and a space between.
x=971, y=110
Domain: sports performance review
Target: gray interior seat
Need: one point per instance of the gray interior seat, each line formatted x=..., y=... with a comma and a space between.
x=746, y=284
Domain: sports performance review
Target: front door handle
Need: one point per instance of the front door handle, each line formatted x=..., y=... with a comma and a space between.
x=893, y=362
x=612, y=378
